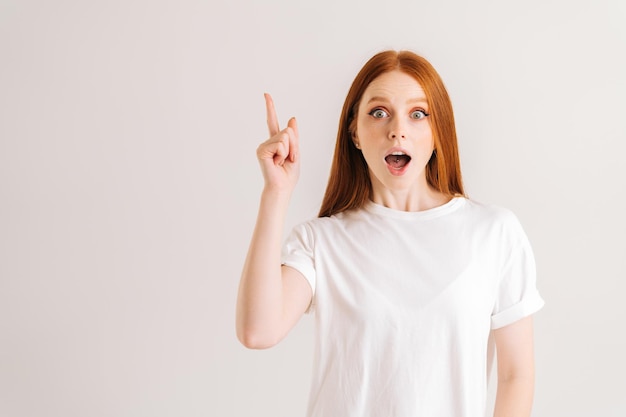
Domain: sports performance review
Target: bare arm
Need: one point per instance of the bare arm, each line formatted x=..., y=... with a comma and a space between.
x=516, y=369
x=272, y=298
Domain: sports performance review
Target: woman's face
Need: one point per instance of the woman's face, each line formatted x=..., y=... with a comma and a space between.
x=393, y=132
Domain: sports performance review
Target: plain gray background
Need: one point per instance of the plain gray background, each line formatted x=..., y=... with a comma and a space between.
x=129, y=186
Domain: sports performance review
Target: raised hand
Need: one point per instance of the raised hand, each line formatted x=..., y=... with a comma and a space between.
x=272, y=297
x=278, y=156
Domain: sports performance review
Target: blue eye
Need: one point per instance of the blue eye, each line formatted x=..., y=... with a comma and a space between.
x=419, y=114
x=378, y=113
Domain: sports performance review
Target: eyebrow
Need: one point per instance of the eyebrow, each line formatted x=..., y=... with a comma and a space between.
x=411, y=100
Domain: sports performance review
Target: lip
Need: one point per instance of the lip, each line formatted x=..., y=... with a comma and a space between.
x=397, y=171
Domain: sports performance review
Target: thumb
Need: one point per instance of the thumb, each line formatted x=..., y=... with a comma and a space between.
x=294, y=142
x=294, y=125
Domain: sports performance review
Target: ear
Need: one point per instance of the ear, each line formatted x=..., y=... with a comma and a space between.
x=355, y=140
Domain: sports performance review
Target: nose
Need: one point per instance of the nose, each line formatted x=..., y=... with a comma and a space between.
x=397, y=130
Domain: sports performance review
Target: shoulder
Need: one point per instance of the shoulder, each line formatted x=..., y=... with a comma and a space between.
x=497, y=221
x=490, y=213
x=329, y=226
x=336, y=220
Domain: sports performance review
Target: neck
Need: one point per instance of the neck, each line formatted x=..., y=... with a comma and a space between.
x=415, y=199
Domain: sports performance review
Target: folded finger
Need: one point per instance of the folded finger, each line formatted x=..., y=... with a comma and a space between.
x=276, y=148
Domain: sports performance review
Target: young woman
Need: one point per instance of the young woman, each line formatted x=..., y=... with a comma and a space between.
x=410, y=282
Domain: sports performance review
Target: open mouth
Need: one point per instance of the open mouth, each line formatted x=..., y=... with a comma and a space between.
x=397, y=160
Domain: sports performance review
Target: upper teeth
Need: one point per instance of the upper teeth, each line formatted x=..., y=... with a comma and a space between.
x=397, y=153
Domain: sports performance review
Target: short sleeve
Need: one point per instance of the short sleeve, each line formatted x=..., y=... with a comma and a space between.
x=297, y=252
x=517, y=295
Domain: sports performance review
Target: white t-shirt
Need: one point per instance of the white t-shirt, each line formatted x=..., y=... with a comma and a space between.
x=404, y=304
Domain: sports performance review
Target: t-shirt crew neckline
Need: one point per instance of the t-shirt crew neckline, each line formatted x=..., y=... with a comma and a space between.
x=452, y=205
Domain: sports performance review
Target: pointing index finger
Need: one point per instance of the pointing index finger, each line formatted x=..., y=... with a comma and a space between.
x=272, y=120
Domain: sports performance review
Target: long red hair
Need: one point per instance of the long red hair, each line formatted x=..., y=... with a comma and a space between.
x=349, y=185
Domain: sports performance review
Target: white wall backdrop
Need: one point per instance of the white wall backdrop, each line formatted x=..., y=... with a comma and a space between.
x=129, y=186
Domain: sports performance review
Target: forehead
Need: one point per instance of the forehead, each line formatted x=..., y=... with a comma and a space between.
x=394, y=85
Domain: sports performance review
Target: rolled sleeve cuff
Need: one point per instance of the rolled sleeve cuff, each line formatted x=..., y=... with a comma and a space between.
x=528, y=306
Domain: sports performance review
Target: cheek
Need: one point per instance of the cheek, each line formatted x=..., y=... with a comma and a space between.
x=359, y=128
x=368, y=130
x=427, y=137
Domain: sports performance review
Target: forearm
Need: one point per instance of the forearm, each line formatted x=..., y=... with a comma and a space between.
x=260, y=301
x=514, y=397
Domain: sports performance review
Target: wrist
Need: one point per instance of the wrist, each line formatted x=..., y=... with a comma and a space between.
x=274, y=192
